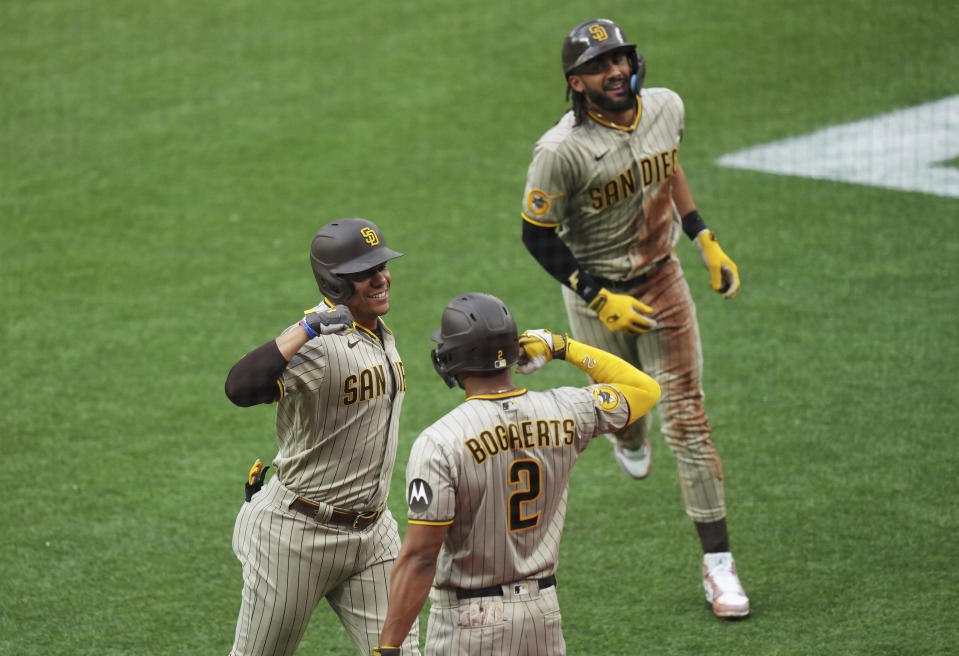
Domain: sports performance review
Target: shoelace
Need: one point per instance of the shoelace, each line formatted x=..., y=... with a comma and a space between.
x=722, y=574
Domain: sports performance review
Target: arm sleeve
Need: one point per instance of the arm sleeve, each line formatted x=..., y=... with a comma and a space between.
x=640, y=390
x=553, y=255
x=256, y=377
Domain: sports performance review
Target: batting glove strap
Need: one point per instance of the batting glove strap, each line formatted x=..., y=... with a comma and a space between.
x=386, y=651
x=324, y=320
x=622, y=312
x=539, y=347
x=723, y=274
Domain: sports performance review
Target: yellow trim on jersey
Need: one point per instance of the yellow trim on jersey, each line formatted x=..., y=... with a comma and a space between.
x=602, y=121
x=357, y=326
x=541, y=224
x=502, y=395
x=423, y=523
x=279, y=383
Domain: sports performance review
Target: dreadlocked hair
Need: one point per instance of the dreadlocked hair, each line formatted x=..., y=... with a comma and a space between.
x=579, y=105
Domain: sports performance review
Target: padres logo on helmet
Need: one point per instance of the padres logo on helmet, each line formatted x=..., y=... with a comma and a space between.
x=598, y=32
x=370, y=236
x=343, y=247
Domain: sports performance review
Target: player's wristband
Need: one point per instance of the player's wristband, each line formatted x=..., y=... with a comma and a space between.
x=386, y=651
x=693, y=224
x=306, y=327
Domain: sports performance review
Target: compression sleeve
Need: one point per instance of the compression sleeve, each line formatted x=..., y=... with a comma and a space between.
x=553, y=255
x=256, y=377
x=640, y=390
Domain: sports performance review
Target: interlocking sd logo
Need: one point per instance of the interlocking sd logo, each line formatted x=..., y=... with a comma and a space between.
x=369, y=235
x=598, y=32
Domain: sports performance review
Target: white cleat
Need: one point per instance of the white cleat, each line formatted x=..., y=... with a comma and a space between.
x=723, y=589
x=636, y=463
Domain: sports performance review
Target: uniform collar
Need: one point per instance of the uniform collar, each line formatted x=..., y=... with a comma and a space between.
x=494, y=397
x=609, y=124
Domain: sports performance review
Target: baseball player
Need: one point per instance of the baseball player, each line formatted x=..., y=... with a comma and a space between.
x=320, y=527
x=605, y=203
x=487, y=484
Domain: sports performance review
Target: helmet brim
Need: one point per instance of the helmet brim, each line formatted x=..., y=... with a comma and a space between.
x=366, y=261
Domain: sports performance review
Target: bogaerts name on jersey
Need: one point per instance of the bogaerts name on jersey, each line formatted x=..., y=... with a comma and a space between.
x=539, y=434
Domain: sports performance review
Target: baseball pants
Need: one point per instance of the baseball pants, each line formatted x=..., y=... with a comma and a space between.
x=525, y=621
x=290, y=562
x=672, y=354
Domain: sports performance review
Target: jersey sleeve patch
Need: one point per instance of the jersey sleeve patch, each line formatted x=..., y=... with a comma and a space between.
x=607, y=397
x=419, y=495
x=538, y=202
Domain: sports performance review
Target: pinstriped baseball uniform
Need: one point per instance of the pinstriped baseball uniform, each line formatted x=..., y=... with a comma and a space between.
x=496, y=469
x=602, y=187
x=337, y=426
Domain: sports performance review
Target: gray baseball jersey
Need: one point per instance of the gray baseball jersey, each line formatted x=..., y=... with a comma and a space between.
x=338, y=420
x=604, y=188
x=337, y=427
x=599, y=184
x=496, y=469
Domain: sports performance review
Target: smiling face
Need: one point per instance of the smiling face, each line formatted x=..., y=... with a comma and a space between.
x=371, y=295
x=604, y=81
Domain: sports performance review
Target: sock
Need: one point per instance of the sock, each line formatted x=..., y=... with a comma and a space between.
x=713, y=536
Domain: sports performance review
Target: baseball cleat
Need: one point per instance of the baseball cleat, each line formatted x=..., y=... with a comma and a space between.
x=636, y=463
x=723, y=589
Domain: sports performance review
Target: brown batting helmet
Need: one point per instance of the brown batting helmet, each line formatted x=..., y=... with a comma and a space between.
x=596, y=37
x=346, y=246
x=477, y=335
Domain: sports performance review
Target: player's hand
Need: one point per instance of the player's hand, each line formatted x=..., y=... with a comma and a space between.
x=537, y=347
x=386, y=651
x=323, y=320
x=723, y=274
x=622, y=312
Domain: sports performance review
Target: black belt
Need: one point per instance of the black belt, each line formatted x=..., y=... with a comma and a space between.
x=626, y=285
x=497, y=590
x=340, y=517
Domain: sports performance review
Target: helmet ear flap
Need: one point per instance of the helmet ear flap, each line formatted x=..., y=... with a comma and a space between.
x=336, y=288
x=441, y=369
x=639, y=72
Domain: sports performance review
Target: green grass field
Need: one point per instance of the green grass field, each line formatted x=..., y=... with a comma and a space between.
x=164, y=165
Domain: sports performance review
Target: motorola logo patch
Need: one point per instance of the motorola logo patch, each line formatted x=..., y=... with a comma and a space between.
x=419, y=495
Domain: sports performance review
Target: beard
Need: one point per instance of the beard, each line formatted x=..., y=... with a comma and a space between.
x=608, y=104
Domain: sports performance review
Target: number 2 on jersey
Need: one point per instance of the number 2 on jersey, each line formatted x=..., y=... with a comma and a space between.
x=526, y=473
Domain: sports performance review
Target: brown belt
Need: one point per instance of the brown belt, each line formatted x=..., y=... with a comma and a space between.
x=339, y=517
x=626, y=285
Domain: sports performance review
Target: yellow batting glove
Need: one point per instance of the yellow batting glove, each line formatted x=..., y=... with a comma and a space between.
x=539, y=347
x=723, y=274
x=622, y=312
